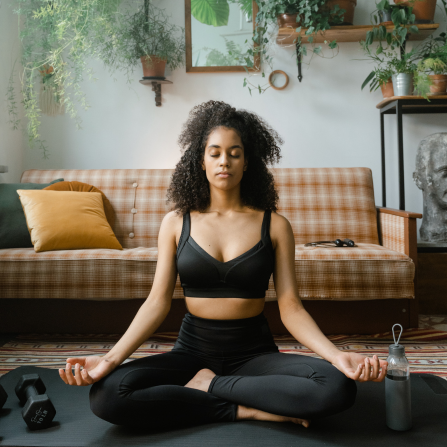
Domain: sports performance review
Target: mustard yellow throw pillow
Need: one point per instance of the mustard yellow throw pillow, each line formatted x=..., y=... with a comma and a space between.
x=66, y=220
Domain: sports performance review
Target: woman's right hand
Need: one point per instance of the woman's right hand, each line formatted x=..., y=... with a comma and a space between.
x=94, y=368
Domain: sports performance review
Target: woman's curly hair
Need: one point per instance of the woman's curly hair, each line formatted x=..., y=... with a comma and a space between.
x=189, y=187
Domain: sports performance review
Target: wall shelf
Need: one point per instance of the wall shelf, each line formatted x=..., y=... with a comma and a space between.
x=349, y=33
x=156, y=87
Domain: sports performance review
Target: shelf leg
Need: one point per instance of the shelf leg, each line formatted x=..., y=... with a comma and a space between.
x=156, y=87
x=400, y=144
x=298, y=60
x=382, y=153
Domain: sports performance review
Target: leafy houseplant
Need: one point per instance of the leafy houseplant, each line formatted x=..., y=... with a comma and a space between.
x=431, y=75
x=313, y=15
x=63, y=35
x=146, y=35
x=390, y=42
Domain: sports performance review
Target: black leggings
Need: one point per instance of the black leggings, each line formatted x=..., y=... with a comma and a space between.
x=250, y=371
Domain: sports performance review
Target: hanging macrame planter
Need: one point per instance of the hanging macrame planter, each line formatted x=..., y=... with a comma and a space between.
x=50, y=99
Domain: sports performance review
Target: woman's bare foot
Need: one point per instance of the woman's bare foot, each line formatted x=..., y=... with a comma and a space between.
x=259, y=415
x=202, y=380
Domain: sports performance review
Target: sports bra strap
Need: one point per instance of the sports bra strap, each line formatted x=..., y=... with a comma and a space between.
x=186, y=228
x=265, y=230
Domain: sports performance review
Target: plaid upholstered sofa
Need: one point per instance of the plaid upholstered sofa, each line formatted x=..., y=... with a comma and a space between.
x=365, y=289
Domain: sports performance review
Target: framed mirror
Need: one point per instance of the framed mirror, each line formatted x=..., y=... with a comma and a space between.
x=215, y=34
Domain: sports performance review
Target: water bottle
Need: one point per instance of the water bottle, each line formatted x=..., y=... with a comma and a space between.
x=397, y=387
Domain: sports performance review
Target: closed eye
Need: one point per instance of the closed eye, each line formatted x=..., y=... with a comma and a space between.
x=234, y=156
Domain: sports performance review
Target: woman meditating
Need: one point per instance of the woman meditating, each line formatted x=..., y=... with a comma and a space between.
x=225, y=240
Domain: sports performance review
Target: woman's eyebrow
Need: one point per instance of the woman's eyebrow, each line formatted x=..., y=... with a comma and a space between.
x=232, y=147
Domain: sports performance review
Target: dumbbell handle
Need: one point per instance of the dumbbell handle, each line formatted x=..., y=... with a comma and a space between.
x=30, y=391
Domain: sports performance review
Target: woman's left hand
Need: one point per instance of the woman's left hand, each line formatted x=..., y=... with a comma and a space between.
x=361, y=368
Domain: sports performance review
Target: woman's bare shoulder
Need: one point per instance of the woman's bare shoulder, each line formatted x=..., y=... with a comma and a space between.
x=171, y=225
x=280, y=228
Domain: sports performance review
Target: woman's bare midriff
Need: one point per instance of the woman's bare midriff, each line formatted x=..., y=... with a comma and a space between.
x=224, y=308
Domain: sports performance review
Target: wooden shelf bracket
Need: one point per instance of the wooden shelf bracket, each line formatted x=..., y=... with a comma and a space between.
x=156, y=87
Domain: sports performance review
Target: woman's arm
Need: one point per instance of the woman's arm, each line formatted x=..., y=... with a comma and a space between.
x=299, y=322
x=148, y=318
x=156, y=307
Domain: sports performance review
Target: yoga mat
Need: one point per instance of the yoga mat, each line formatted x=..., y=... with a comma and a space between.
x=361, y=425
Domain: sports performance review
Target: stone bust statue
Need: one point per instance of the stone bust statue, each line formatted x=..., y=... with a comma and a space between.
x=431, y=177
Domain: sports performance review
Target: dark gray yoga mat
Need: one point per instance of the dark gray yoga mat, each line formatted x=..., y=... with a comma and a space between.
x=362, y=425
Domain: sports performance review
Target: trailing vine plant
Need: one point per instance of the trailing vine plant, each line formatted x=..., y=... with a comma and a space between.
x=61, y=34
x=58, y=39
x=313, y=17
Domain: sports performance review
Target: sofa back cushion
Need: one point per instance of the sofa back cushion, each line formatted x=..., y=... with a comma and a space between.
x=320, y=203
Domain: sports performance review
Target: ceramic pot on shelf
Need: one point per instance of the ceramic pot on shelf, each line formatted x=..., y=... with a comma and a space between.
x=439, y=83
x=424, y=10
x=385, y=18
x=403, y=84
x=289, y=20
x=155, y=67
x=348, y=6
x=387, y=89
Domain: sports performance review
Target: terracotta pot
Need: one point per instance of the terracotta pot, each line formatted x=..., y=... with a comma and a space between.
x=289, y=20
x=47, y=70
x=348, y=5
x=439, y=83
x=155, y=67
x=387, y=89
x=424, y=10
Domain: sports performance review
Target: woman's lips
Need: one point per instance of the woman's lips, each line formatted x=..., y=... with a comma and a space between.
x=223, y=175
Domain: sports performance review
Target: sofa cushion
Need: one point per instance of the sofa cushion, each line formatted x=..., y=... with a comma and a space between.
x=66, y=220
x=84, y=187
x=368, y=271
x=13, y=230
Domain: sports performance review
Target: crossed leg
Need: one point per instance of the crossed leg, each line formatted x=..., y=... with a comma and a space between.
x=151, y=392
x=287, y=384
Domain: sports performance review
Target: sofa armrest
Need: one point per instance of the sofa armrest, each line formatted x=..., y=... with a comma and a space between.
x=397, y=230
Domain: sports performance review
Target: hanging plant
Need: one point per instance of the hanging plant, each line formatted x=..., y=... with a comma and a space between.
x=62, y=34
x=146, y=35
x=313, y=16
x=51, y=101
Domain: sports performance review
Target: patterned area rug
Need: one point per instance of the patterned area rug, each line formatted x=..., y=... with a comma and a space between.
x=426, y=348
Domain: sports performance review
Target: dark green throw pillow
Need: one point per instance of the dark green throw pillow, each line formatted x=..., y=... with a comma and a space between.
x=13, y=230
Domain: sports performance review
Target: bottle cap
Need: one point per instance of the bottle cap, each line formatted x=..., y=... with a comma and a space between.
x=396, y=349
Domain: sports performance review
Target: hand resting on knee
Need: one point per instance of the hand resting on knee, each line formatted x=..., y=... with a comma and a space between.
x=93, y=369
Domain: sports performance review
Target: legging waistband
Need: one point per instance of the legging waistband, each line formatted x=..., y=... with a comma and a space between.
x=219, y=337
x=209, y=323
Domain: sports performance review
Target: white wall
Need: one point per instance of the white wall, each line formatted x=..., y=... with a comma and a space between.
x=11, y=142
x=326, y=120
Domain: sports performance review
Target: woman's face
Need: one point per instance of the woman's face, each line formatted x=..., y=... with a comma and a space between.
x=224, y=151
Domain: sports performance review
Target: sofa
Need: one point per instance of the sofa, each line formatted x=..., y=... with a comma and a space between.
x=360, y=290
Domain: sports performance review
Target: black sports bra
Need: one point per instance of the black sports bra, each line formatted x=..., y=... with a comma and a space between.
x=246, y=276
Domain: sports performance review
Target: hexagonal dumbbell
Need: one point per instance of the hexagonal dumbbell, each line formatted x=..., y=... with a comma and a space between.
x=38, y=410
x=3, y=397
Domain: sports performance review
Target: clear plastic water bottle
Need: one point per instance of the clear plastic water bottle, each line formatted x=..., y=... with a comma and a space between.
x=397, y=387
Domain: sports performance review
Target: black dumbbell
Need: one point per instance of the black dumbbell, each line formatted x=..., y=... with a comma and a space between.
x=38, y=410
x=3, y=397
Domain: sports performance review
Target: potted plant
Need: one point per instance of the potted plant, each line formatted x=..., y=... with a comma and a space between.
x=313, y=15
x=424, y=10
x=147, y=36
x=64, y=36
x=382, y=15
x=390, y=69
x=403, y=72
x=431, y=75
